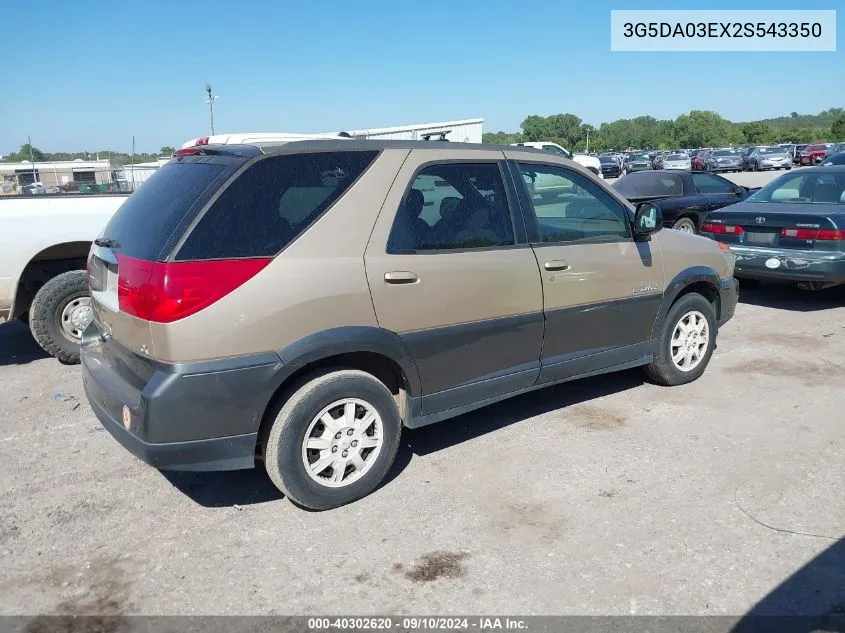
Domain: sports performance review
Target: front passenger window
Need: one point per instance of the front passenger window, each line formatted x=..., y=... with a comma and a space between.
x=570, y=208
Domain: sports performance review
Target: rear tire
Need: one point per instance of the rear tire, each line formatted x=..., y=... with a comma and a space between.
x=298, y=427
x=59, y=313
x=686, y=225
x=664, y=370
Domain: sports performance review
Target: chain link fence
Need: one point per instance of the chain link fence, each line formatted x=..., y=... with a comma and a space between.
x=73, y=177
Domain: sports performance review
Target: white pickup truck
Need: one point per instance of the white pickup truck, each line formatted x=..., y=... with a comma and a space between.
x=44, y=244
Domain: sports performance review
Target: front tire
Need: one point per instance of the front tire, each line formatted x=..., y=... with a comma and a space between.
x=686, y=342
x=333, y=440
x=60, y=312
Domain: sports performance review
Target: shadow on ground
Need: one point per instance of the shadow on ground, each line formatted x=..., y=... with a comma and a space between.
x=242, y=488
x=788, y=297
x=811, y=599
x=17, y=347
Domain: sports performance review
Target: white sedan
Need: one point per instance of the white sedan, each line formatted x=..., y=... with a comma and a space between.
x=677, y=161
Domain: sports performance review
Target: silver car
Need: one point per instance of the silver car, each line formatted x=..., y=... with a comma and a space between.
x=763, y=158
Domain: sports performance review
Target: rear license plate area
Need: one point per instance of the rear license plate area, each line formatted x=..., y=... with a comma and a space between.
x=760, y=239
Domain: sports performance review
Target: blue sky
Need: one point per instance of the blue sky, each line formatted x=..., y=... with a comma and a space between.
x=91, y=75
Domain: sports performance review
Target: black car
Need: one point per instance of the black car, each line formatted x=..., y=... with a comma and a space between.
x=610, y=167
x=792, y=229
x=833, y=159
x=723, y=160
x=684, y=198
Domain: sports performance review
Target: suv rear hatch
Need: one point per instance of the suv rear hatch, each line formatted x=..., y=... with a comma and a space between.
x=128, y=273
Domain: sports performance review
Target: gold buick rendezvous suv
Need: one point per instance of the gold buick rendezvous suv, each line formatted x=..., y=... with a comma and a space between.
x=299, y=304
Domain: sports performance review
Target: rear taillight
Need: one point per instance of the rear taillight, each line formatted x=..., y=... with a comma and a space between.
x=813, y=234
x=202, y=140
x=167, y=291
x=722, y=229
x=187, y=151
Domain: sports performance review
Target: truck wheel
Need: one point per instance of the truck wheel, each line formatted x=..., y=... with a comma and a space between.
x=60, y=312
x=687, y=225
x=333, y=440
x=686, y=342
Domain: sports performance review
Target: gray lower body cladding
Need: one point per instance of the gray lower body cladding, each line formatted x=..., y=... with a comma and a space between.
x=728, y=298
x=207, y=416
x=202, y=416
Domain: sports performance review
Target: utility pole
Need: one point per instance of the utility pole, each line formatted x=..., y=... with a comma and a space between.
x=32, y=160
x=588, y=141
x=132, y=164
x=210, y=101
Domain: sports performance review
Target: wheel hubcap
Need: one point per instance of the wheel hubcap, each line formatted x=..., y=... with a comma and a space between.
x=76, y=316
x=685, y=227
x=690, y=339
x=342, y=442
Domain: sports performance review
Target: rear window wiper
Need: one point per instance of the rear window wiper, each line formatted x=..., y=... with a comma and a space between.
x=107, y=242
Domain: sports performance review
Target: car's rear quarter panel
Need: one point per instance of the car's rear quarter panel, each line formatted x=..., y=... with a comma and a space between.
x=317, y=283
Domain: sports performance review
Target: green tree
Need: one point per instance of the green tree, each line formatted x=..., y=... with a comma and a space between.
x=837, y=129
x=702, y=128
x=757, y=132
x=166, y=150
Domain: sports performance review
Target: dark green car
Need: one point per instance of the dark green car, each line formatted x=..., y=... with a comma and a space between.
x=792, y=229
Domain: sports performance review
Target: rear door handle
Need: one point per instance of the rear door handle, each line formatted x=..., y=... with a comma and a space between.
x=556, y=264
x=400, y=277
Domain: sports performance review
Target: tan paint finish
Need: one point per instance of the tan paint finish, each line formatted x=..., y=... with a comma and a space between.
x=453, y=288
x=600, y=272
x=683, y=250
x=321, y=281
x=317, y=283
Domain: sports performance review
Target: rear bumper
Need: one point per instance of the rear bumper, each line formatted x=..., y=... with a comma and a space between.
x=792, y=265
x=728, y=297
x=222, y=453
x=198, y=416
x=737, y=167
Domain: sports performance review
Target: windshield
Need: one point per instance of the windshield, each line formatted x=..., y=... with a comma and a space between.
x=607, y=159
x=677, y=157
x=817, y=148
x=816, y=187
x=639, y=157
x=772, y=150
x=725, y=152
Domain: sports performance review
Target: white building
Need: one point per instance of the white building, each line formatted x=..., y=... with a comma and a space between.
x=136, y=174
x=55, y=174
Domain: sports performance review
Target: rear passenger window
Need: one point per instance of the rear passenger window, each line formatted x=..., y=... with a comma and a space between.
x=453, y=206
x=570, y=208
x=705, y=183
x=272, y=203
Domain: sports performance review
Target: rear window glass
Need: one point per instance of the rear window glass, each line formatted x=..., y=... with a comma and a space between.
x=142, y=224
x=649, y=185
x=272, y=203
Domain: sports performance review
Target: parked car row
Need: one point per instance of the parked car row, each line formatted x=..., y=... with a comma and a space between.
x=793, y=229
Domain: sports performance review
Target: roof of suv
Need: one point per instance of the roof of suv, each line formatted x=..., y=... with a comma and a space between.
x=363, y=144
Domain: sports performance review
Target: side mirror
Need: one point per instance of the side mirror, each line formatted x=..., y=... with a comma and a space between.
x=740, y=190
x=648, y=219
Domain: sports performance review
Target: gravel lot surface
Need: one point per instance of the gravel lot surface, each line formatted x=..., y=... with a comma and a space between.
x=603, y=496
